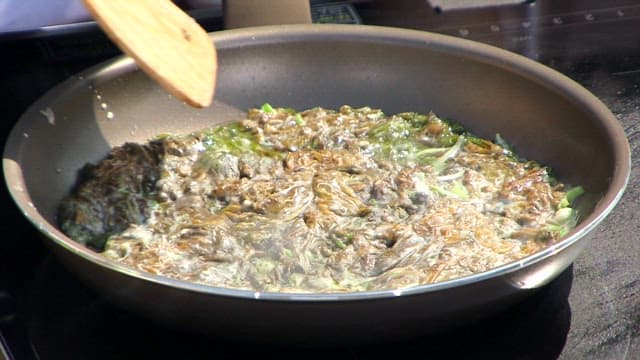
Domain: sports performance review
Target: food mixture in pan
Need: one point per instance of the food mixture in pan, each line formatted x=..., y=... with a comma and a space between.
x=318, y=201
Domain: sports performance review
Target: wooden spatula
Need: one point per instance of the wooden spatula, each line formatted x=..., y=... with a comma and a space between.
x=165, y=42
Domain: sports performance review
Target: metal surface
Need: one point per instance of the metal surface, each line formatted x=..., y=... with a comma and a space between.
x=544, y=114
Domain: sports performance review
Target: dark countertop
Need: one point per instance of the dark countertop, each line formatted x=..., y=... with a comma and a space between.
x=605, y=296
x=591, y=311
x=605, y=299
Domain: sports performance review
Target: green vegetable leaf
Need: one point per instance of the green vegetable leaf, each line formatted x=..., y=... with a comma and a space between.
x=440, y=163
x=564, y=221
x=266, y=107
x=570, y=196
x=457, y=191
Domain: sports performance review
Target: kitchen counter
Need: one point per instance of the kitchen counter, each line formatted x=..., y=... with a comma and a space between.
x=605, y=296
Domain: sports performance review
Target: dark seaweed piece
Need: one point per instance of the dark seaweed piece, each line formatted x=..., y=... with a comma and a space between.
x=111, y=195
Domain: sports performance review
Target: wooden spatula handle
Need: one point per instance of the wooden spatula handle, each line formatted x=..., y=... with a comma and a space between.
x=165, y=42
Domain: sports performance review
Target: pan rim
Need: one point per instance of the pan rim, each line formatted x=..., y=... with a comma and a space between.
x=287, y=33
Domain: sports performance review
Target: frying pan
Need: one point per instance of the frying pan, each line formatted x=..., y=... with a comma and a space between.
x=545, y=115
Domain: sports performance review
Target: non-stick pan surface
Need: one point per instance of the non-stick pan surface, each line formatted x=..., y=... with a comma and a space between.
x=545, y=115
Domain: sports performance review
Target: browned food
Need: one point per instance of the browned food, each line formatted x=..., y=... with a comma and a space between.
x=319, y=201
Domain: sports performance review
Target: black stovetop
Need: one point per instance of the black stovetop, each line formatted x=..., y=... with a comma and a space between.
x=591, y=311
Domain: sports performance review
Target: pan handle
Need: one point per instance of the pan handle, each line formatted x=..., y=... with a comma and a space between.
x=245, y=13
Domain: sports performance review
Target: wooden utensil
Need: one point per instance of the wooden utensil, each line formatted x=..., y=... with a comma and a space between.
x=165, y=42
